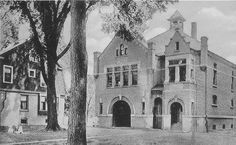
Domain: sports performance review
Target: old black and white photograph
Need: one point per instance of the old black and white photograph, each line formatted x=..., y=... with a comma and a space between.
x=117, y=72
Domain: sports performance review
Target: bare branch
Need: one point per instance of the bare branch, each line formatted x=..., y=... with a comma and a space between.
x=64, y=51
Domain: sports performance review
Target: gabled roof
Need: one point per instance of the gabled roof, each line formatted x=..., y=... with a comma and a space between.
x=176, y=16
x=13, y=46
x=160, y=41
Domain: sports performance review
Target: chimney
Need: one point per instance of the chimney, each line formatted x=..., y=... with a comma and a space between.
x=95, y=65
x=194, y=30
x=204, y=51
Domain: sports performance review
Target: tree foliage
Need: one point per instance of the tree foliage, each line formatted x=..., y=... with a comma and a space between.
x=46, y=20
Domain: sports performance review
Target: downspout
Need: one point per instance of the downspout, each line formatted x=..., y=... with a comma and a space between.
x=206, y=120
x=204, y=55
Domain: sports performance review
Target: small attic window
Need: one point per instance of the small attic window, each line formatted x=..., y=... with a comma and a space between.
x=176, y=45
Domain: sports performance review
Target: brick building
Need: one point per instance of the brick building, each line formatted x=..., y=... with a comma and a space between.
x=23, y=90
x=172, y=81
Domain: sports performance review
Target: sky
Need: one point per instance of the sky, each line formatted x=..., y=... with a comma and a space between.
x=215, y=19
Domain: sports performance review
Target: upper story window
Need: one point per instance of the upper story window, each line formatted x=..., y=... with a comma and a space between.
x=122, y=75
x=181, y=63
x=232, y=81
x=7, y=74
x=176, y=45
x=125, y=75
x=171, y=74
x=215, y=74
x=214, y=100
x=32, y=73
x=24, y=101
x=117, y=76
x=232, y=103
x=134, y=74
x=121, y=50
x=109, y=77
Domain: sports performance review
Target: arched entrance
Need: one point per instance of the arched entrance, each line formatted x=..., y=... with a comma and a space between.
x=176, y=115
x=157, y=112
x=121, y=114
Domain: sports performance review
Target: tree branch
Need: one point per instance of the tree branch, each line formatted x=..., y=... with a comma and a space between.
x=64, y=51
x=64, y=8
x=91, y=3
x=25, y=10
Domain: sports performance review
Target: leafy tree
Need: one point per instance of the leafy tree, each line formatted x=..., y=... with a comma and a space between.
x=127, y=20
x=46, y=20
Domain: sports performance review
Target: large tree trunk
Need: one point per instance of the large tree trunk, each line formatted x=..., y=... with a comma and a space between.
x=77, y=114
x=52, y=123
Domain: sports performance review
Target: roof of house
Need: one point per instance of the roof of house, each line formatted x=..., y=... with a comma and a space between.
x=13, y=46
x=160, y=41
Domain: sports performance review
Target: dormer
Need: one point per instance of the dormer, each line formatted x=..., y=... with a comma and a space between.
x=177, y=21
x=177, y=45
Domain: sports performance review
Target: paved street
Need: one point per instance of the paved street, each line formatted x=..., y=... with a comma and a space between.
x=123, y=136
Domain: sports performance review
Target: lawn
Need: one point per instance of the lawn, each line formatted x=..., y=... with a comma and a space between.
x=123, y=136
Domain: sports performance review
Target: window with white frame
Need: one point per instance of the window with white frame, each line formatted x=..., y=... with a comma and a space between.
x=43, y=103
x=7, y=74
x=32, y=73
x=24, y=101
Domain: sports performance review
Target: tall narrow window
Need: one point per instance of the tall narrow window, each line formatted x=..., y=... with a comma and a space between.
x=143, y=107
x=24, y=102
x=214, y=100
x=100, y=108
x=182, y=73
x=43, y=103
x=109, y=77
x=172, y=74
x=117, y=76
x=125, y=75
x=7, y=74
x=177, y=45
x=232, y=82
x=232, y=103
x=215, y=74
x=134, y=73
x=192, y=74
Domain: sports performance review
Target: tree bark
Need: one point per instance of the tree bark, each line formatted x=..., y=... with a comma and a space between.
x=79, y=60
x=52, y=123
